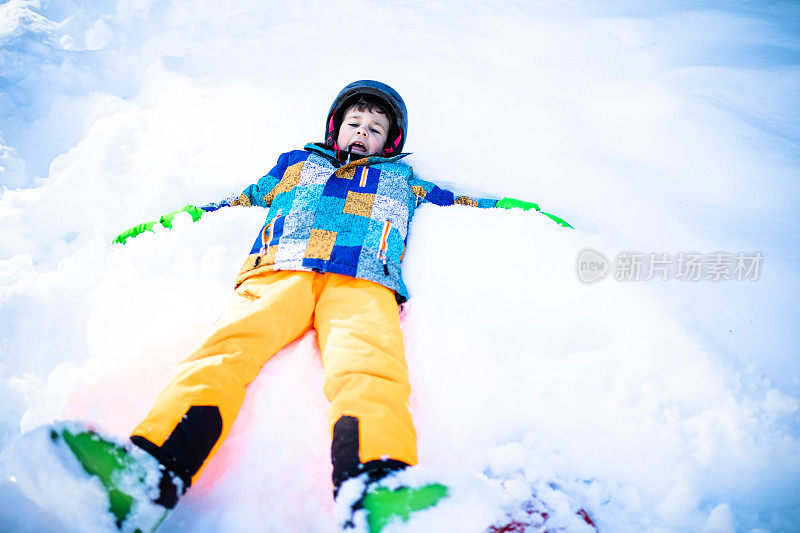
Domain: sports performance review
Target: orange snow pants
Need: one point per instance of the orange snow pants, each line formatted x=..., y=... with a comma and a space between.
x=365, y=374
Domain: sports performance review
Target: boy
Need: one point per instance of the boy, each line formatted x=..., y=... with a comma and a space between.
x=327, y=257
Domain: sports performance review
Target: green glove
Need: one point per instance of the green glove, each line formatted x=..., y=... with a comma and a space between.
x=165, y=221
x=511, y=203
x=558, y=220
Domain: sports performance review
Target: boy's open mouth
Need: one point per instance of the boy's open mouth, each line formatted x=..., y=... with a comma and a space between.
x=358, y=146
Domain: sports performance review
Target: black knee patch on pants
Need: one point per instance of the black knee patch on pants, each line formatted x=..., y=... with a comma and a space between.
x=188, y=446
x=346, y=456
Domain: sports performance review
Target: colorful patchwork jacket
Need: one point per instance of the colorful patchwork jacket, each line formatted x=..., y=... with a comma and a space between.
x=327, y=216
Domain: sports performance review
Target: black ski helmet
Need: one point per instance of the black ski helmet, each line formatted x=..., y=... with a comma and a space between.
x=392, y=101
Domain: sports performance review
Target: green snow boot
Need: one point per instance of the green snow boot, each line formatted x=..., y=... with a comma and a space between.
x=130, y=481
x=385, y=505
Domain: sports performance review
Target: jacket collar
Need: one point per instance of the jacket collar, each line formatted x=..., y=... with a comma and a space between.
x=326, y=152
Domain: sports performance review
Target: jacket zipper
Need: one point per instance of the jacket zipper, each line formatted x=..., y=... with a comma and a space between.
x=266, y=239
x=384, y=245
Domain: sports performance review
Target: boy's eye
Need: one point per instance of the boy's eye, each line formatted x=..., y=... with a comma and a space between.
x=374, y=130
x=353, y=124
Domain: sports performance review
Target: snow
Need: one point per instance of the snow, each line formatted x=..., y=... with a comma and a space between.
x=654, y=128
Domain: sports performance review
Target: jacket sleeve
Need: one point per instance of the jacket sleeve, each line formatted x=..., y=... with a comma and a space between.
x=255, y=194
x=425, y=191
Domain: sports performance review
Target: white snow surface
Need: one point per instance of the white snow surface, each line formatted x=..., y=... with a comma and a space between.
x=660, y=127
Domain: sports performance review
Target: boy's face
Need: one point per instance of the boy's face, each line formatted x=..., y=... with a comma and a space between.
x=363, y=132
